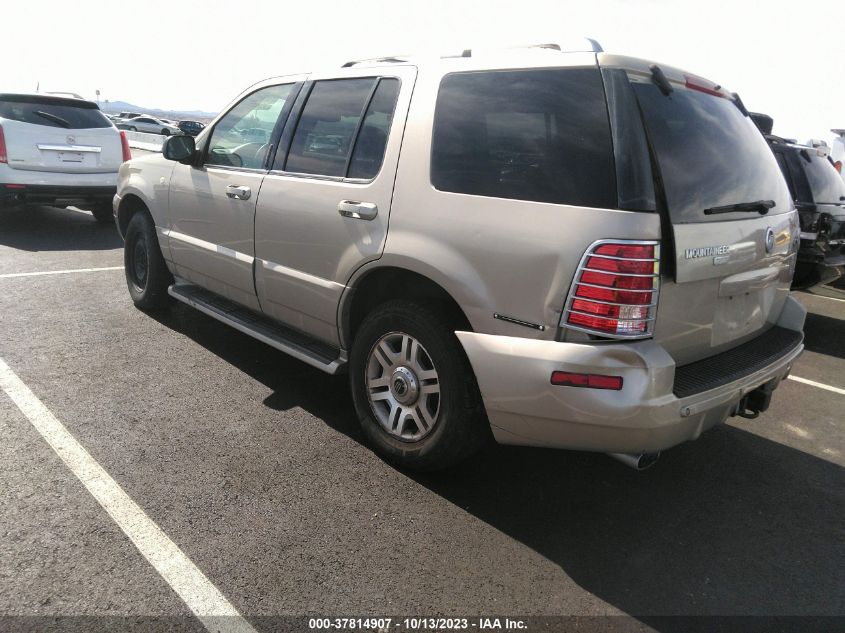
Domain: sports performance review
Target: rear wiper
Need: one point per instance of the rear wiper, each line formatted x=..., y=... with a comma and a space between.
x=660, y=80
x=55, y=119
x=760, y=206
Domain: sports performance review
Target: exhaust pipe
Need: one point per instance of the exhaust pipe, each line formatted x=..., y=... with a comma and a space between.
x=637, y=461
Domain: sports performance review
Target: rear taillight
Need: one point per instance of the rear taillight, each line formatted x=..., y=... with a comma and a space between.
x=615, y=290
x=3, y=157
x=124, y=146
x=838, y=165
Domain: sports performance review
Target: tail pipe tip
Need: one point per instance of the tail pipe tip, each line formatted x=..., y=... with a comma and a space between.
x=637, y=461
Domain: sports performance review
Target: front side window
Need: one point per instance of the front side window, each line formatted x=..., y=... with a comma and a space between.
x=242, y=137
x=540, y=135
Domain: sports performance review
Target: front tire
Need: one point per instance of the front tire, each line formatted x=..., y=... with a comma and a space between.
x=165, y=132
x=146, y=272
x=413, y=388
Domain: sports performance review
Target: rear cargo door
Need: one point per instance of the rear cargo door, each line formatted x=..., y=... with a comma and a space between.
x=732, y=222
x=63, y=135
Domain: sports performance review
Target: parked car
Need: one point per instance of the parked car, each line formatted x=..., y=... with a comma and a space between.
x=128, y=115
x=540, y=278
x=152, y=125
x=837, y=152
x=819, y=195
x=58, y=151
x=192, y=128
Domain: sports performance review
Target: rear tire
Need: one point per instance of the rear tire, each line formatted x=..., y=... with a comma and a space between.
x=132, y=129
x=146, y=272
x=103, y=214
x=413, y=388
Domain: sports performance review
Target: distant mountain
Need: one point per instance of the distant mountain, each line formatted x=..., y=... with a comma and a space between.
x=123, y=106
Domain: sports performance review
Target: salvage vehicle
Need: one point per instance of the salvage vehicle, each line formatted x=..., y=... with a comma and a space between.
x=570, y=249
x=59, y=151
x=819, y=195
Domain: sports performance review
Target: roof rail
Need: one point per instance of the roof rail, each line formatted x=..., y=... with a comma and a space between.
x=592, y=46
x=390, y=59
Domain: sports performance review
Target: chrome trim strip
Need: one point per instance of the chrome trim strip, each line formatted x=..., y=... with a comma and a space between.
x=302, y=276
x=609, y=318
x=509, y=319
x=209, y=246
x=611, y=303
x=614, y=273
x=72, y=148
x=626, y=259
x=583, y=283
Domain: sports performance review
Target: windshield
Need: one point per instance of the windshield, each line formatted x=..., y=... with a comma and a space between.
x=710, y=155
x=826, y=184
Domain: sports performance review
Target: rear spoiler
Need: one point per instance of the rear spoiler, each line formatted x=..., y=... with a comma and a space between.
x=764, y=122
x=839, y=132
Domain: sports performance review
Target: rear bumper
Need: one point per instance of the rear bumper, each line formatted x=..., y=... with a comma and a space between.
x=645, y=415
x=62, y=195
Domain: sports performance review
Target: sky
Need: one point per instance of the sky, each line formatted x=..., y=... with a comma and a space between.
x=784, y=59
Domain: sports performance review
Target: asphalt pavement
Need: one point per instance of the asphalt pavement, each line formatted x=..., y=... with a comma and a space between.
x=253, y=464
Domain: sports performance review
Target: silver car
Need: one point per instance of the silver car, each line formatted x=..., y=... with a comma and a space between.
x=563, y=249
x=150, y=125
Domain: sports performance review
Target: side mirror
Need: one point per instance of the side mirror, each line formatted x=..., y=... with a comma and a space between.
x=179, y=148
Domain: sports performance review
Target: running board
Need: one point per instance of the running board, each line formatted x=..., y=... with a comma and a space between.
x=301, y=346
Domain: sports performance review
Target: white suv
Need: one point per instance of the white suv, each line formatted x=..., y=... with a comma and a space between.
x=58, y=151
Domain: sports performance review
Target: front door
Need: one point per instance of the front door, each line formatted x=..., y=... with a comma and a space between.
x=323, y=209
x=212, y=204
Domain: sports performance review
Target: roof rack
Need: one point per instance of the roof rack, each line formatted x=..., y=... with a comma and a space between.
x=593, y=47
x=390, y=59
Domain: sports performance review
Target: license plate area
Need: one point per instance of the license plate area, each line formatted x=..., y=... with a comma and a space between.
x=71, y=157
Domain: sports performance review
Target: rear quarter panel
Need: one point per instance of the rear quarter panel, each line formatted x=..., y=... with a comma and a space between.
x=493, y=255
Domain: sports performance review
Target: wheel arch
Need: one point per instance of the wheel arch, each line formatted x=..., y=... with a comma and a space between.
x=379, y=284
x=130, y=204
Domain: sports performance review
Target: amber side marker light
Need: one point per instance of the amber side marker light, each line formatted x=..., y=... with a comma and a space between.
x=590, y=381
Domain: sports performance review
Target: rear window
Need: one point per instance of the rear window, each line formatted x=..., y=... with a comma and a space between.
x=53, y=114
x=825, y=182
x=709, y=154
x=539, y=135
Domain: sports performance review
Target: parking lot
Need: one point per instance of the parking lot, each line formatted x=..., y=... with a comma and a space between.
x=252, y=463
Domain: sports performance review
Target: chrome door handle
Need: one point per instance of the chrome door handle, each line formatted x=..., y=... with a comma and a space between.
x=238, y=192
x=357, y=210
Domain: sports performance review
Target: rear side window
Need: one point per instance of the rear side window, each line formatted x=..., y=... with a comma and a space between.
x=540, y=135
x=372, y=139
x=52, y=113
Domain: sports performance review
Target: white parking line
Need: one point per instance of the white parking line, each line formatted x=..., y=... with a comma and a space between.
x=202, y=597
x=820, y=385
x=813, y=294
x=59, y=272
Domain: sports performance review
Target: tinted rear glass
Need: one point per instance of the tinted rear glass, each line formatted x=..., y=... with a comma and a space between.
x=53, y=115
x=709, y=154
x=540, y=135
x=326, y=129
x=826, y=184
x=372, y=139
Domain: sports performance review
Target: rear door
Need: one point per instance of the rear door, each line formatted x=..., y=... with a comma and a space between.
x=59, y=135
x=324, y=208
x=731, y=219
